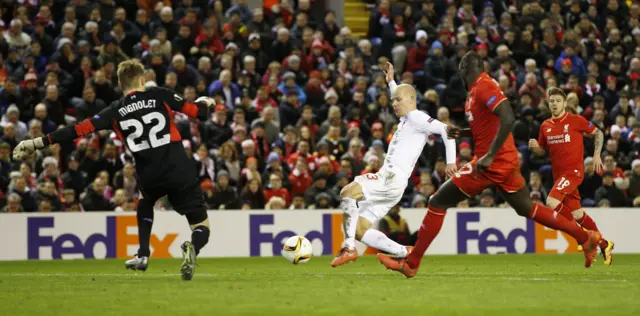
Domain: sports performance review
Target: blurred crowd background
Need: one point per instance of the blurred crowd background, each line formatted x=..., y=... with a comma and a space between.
x=302, y=104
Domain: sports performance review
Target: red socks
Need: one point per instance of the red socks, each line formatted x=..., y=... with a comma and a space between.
x=564, y=212
x=550, y=218
x=587, y=222
x=430, y=228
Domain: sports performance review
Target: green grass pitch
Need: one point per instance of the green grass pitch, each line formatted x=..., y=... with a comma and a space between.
x=446, y=285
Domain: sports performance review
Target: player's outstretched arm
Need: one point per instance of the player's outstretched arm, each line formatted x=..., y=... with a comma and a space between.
x=99, y=122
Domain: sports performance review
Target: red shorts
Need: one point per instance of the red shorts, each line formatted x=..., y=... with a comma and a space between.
x=507, y=177
x=565, y=190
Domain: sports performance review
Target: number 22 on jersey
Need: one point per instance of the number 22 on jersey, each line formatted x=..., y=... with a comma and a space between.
x=155, y=140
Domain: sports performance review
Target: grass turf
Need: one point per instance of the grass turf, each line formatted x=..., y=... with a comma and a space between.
x=446, y=285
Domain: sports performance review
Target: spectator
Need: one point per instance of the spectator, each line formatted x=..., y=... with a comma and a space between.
x=435, y=67
x=275, y=203
x=526, y=127
x=319, y=186
x=395, y=227
x=13, y=204
x=297, y=203
x=204, y=164
x=610, y=192
x=224, y=196
x=487, y=199
x=125, y=179
x=634, y=182
x=300, y=177
x=49, y=193
x=274, y=188
x=535, y=90
x=73, y=178
x=217, y=130
x=12, y=116
x=253, y=195
x=93, y=198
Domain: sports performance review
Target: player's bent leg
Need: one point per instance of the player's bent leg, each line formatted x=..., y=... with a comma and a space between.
x=377, y=239
x=521, y=202
x=349, y=195
x=144, y=215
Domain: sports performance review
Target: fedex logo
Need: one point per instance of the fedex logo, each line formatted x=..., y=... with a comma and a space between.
x=262, y=230
x=535, y=237
x=115, y=240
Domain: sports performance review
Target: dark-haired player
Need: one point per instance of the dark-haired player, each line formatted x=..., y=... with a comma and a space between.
x=490, y=119
x=561, y=136
x=143, y=117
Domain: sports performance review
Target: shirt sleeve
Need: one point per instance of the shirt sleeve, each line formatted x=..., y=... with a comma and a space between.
x=584, y=126
x=392, y=87
x=429, y=125
x=542, y=138
x=490, y=94
x=101, y=121
x=177, y=103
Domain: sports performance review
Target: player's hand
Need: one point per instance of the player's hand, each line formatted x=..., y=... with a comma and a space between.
x=533, y=144
x=209, y=101
x=453, y=132
x=451, y=170
x=597, y=163
x=26, y=148
x=483, y=163
x=389, y=72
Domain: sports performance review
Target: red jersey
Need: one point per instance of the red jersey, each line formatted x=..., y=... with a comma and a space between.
x=562, y=139
x=484, y=96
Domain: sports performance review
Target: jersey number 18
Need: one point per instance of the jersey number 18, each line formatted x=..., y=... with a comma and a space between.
x=154, y=139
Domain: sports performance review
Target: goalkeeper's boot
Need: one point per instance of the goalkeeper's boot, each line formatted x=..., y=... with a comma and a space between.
x=607, y=252
x=189, y=260
x=137, y=263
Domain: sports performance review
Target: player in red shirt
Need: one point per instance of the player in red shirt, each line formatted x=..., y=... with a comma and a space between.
x=491, y=120
x=561, y=136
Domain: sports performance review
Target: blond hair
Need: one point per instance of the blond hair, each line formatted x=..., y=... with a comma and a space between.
x=129, y=72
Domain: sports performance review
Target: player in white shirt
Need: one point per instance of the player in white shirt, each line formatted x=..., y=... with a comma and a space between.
x=369, y=197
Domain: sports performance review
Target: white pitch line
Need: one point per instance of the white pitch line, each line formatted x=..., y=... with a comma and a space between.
x=470, y=275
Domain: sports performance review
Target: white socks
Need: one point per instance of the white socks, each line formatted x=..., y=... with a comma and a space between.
x=350, y=221
x=376, y=239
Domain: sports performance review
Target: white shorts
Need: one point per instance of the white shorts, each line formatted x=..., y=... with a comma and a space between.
x=382, y=191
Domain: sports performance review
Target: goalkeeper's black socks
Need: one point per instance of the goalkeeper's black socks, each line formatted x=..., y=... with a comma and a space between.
x=145, y=222
x=200, y=237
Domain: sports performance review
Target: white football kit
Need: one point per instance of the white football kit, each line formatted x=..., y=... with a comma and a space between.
x=384, y=189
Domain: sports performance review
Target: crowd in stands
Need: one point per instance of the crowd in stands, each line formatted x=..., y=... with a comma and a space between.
x=302, y=104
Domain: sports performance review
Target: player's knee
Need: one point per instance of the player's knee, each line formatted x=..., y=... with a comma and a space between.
x=352, y=191
x=436, y=202
x=578, y=214
x=552, y=202
x=362, y=227
x=197, y=218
